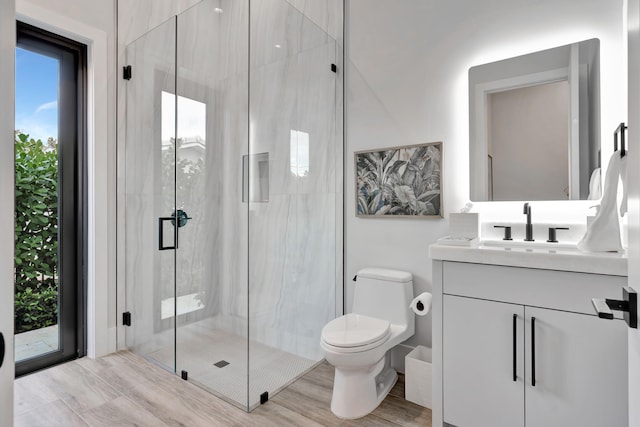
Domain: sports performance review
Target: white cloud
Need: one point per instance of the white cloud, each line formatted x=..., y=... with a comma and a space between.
x=41, y=124
x=37, y=129
x=47, y=106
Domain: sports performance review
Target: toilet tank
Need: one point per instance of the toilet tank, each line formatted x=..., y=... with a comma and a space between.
x=384, y=294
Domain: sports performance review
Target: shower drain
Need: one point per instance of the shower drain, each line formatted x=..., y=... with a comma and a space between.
x=221, y=364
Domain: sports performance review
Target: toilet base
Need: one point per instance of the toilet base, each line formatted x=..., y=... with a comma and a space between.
x=357, y=392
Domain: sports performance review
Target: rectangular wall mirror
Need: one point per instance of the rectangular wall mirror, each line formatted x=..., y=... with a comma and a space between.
x=534, y=124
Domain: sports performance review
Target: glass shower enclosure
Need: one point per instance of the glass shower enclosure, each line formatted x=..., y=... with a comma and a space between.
x=234, y=160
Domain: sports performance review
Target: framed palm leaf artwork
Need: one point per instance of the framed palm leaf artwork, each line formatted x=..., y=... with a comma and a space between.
x=400, y=181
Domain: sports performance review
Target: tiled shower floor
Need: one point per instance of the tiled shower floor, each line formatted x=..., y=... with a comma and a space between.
x=200, y=347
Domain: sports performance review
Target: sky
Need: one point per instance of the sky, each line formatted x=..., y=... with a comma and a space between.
x=36, y=94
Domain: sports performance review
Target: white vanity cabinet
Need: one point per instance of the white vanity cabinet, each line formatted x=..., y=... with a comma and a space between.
x=498, y=326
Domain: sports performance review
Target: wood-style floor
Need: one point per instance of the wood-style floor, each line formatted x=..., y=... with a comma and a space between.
x=123, y=389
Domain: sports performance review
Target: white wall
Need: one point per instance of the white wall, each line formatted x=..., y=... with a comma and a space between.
x=407, y=83
x=93, y=22
x=7, y=158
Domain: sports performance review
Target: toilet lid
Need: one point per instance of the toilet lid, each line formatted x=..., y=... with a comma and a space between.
x=354, y=330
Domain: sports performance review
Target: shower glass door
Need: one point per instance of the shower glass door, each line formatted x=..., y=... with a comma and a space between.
x=234, y=195
x=151, y=234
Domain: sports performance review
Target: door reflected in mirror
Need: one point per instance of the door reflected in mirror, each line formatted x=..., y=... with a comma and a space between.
x=535, y=125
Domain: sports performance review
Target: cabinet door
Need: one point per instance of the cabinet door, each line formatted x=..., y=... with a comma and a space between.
x=580, y=370
x=478, y=363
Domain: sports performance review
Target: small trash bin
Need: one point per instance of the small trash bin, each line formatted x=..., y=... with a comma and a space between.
x=417, y=376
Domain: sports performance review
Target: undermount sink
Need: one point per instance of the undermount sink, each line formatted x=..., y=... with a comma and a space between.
x=507, y=244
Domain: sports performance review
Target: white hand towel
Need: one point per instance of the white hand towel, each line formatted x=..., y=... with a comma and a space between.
x=595, y=185
x=623, y=178
x=603, y=233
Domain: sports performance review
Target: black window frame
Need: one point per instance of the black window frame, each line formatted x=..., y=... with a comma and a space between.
x=72, y=193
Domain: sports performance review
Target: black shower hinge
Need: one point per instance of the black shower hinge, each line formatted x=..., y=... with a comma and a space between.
x=126, y=72
x=184, y=375
x=334, y=68
x=126, y=318
x=264, y=397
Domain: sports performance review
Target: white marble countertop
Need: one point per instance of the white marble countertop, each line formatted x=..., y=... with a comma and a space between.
x=563, y=259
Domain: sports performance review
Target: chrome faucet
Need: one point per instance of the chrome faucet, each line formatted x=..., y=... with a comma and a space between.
x=529, y=226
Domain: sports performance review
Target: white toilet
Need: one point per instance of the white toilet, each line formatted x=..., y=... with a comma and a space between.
x=357, y=343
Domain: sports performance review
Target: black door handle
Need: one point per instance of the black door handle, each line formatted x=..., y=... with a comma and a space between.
x=515, y=350
x=179, y=218
x=1, y=349
x=161, y=245
x=628, y=304
x=533, y=351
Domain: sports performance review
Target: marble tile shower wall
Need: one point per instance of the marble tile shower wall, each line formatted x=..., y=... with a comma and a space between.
x=293, y=239
x=326, y=14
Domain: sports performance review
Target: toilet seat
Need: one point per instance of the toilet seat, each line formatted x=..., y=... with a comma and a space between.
x=355, y=332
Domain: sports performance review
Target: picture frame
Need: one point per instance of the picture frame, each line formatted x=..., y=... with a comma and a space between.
x=399, y=182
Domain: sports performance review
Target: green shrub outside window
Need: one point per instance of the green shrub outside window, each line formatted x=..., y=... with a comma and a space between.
x=36, y=233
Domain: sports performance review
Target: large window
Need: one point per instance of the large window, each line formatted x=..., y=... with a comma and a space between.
x=49, y=199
